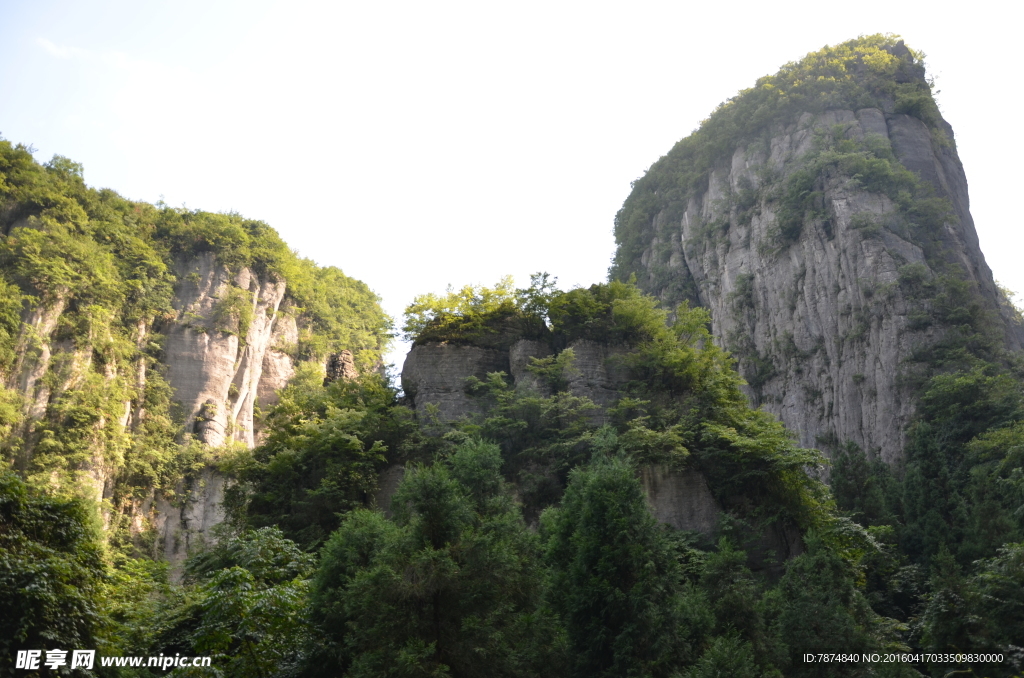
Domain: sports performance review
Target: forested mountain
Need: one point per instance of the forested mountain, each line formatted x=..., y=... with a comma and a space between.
x=204, y=457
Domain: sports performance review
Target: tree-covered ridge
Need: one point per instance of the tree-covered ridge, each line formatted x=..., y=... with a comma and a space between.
x=93, y=246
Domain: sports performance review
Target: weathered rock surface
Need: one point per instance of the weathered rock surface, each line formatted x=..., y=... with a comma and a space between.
x=227, y=350
x=387, y=485
x=278, y=366
x=519, y=356
x=219, y=370
x=214, y=372
x=34, y=352
x=598, y=373
x=186, y=523
x=434, y=376
x=822, y=328
x=680, y=498
x=340, y=366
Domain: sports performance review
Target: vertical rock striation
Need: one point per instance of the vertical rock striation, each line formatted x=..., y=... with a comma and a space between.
x=138, y=340
x=218, y=345
x=811, y=244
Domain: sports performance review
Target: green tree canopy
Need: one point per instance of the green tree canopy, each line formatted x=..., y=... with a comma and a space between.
x=450, y=587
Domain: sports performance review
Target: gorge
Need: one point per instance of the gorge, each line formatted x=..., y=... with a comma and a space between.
x=791, y=421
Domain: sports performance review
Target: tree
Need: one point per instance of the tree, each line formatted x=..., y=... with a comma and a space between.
x=51, y=571
x=244, y=604
x=982, y=613
x=324, y=450
x=614, y=582
x=822, y=610
x=450, y=587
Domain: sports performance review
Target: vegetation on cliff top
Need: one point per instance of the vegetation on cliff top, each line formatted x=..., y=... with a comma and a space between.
x=872, y=71
x=102, y=270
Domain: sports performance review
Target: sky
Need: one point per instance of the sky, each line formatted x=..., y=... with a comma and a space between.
x=419, y=145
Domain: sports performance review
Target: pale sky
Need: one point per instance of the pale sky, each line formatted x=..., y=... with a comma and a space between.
x=416, y=145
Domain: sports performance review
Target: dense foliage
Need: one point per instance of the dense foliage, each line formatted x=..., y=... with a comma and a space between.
x=454, y=582
x=450, y=586
x=476, y=315
x=321, y=458
x=51, y=572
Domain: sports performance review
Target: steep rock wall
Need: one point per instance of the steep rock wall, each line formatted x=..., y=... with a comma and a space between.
x=219, y=354
x=598, y=373
x=823, y=327
x=681, y=499
x=220, y=360
x=434, y=375
x=223, y=354
x=278, y=366
x=215, y=359
x=434, y=378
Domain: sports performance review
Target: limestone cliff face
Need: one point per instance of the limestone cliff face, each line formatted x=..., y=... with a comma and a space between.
x=138, y=339
x=681, y=499
x=825, y=326
x=224, y=350
x=39, y=353
x=215, y=361
x=434, y=374
x=278, y=366
x=434, y=378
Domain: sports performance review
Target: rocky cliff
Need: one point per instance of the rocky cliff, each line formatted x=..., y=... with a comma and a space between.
x=214, y=363
x=828, y=231
x=224, y=356
x=139, y=344
x=225, y=347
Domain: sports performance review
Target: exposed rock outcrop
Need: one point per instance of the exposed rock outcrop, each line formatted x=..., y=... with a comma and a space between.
x=34, y=352
x=340, y=366
x=434, y=378
x=597, y=372
x=824, y=327
x=227, y=349
x=187, y=521
x=434, y=375
x=387, y=485
x=278, y=366
x=681, y=499
x=214, y=357
x=519, y=357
